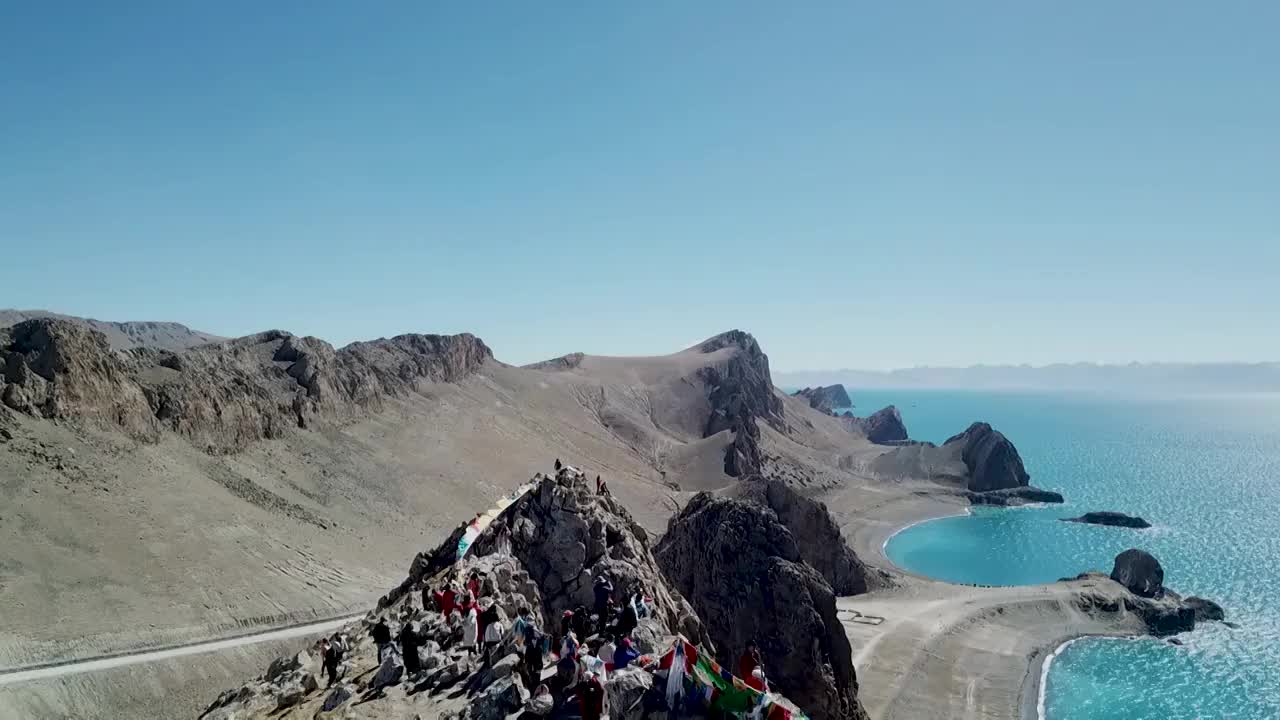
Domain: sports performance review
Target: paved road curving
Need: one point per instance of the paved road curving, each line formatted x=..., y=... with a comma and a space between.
x=75, y=667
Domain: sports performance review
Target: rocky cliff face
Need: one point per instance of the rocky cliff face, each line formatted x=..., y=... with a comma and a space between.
x=745, y=575
x=740, y=391
x=825, y=399
x=817, y=537
x=221, y=396
x=885, y=426
x=992, y=461
x=60, y=370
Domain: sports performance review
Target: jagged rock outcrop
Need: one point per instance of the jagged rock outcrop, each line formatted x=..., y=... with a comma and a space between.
x=60, y=370
x=992, y=461
x=1012, y=497
x=745, y=575
x=1114, y=519
x=561, y=536
x=541, y=550
x=825, y=399
x=1163, y=611
x=884, y=426
x=817, y=536
x=222, y=396
x=1140, y=572
x=740, y=391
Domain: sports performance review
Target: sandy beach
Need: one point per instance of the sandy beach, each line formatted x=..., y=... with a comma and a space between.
x=954, y=651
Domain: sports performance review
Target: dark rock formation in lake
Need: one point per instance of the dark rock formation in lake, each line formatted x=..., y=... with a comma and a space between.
x=825, y=399
x=1139, y=571
x=884, y=426
x=747, y=579
x=1163, y=611
x=992, y=461
x=1113, y=519
x=1205, y=609
x=1012, y=497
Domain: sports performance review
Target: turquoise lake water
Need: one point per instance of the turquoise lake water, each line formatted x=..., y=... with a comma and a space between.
x=1205, y=471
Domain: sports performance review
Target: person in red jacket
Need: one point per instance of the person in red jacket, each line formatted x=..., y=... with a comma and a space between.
x=749, y=661
x=446, y=600
x=473, y=585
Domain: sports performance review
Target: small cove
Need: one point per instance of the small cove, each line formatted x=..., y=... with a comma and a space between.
x=1204, y=470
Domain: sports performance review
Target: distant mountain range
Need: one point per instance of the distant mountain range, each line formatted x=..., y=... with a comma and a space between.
x=125, y=335
x=1134, y=377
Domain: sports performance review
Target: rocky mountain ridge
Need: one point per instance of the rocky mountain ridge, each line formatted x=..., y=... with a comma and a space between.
x=222, y=396
x=124, y=335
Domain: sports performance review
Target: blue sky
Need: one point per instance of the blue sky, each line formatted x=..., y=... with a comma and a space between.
x=859, y=184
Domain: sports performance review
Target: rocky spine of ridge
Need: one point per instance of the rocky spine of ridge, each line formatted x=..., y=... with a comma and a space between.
x=541, y=552
x=743, y=570
x=817, y=536
x=740, y=392
x=224, y=396
x=992, y=461
x=883, y=427
x=826, y=398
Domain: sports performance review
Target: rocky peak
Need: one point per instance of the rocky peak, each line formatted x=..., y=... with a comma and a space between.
x=825, y=399
x=745, y=574
x=740, y=392
x=992, y=461
x=884, y=426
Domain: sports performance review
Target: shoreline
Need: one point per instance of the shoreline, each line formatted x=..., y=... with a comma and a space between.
x=1008, y=635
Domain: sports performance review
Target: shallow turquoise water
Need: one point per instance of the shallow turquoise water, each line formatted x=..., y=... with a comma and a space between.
x=1205, y=471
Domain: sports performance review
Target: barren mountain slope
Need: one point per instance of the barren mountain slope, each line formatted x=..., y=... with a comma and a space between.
x=225, y=513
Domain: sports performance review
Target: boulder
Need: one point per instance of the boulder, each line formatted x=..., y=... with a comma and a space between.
x=337, y=696
x=501, y=698
x=1140, y=572
x=506, y=666
x=624, y=691
x=286, y=664
x=825, y=399
x=1113, y=519
x=741, y=568
x=389, y=672
x=649, y=638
